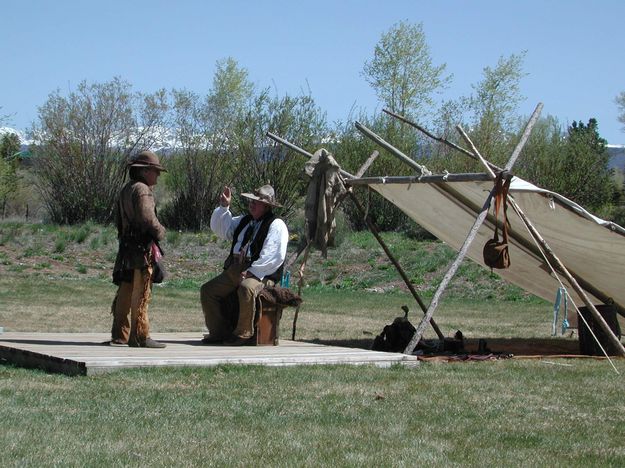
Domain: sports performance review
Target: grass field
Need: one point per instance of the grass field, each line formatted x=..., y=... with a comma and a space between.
x=502, y=413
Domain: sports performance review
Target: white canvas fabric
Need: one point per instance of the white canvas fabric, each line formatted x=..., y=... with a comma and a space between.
x=592, y=249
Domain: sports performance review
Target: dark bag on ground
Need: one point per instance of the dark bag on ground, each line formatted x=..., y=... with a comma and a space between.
x=495, y=252
x=396, y=336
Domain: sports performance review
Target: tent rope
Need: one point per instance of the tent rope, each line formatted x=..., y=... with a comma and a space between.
x=561, y=299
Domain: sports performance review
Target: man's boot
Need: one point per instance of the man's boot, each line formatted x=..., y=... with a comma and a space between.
x=148, y=342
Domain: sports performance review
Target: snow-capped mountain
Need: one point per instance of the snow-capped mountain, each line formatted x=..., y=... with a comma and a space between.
x=20, y=134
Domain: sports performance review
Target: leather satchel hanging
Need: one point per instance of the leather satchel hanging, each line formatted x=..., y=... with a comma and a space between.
x=158, y=270
x=495, y=252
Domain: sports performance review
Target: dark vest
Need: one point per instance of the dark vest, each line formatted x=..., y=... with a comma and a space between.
x=257, y=243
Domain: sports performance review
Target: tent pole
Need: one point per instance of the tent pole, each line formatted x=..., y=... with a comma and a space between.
x=528, y=129
x=374, y=230
x=472, y=233
x=301, y=151
x=582, y=294
x=387, y=146
x=433, y=137
x=526, y=134
x=480, y=158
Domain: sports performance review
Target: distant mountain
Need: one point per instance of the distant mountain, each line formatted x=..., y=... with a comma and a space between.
x=617, y=157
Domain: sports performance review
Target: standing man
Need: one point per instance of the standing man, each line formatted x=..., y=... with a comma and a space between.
x=138, y=231
x=259, y=242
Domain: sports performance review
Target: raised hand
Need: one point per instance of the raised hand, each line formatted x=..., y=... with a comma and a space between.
x=225, y=197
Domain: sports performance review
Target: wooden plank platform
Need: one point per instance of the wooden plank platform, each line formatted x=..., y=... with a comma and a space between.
x=85, y=353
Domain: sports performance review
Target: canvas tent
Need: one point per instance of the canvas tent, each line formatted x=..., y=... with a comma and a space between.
x=592, y=249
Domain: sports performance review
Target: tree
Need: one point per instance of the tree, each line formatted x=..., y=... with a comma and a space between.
x=540, y=159
x=405, y=80
x=401, y=71
x=83, y=141
x=586, y=177
x=573, y=163
x=9, y=161
x=493, y=106
x=3, y=118
x=197, y=168
x=488, y=115
x=204, y=131
x=258, y=162
x=230, y=93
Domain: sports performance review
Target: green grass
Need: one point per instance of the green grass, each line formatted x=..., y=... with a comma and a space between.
x=480, y=414
x=173, y=237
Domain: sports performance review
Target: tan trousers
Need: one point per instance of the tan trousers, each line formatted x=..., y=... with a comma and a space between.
x=130, y=307
x=219, y=320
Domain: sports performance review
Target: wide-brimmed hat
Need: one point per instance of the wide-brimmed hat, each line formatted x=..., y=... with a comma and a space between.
x=264, y=194
x=146, y=159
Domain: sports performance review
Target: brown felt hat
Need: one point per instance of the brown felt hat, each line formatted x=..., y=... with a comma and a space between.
x=264, y=194
x=146, y=159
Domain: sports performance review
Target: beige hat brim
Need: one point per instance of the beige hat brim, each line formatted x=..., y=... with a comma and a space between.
x=251, y=196
x=154, y=166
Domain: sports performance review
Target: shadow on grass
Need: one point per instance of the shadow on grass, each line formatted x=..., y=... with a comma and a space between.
x=514, y=346
x=361, y=343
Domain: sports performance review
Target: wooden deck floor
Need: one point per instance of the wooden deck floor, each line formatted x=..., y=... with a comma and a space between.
x=85, y=353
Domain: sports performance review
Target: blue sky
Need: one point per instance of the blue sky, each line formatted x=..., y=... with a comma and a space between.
x=574, y=60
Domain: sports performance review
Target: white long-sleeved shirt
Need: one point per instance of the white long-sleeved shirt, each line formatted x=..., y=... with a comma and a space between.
x=273, y=251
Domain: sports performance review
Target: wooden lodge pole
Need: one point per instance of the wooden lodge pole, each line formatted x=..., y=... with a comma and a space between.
x=300, y=285
x=395, y=263
x=433, y=137
x=387, y=146
x=526, y=134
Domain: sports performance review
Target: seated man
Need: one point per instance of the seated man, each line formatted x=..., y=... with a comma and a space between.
x=259, y=242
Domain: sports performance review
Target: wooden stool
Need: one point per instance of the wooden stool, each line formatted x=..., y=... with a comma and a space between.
x=267, y=323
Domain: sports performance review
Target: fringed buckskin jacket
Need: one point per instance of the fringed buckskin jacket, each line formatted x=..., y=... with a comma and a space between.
x=137, y=228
